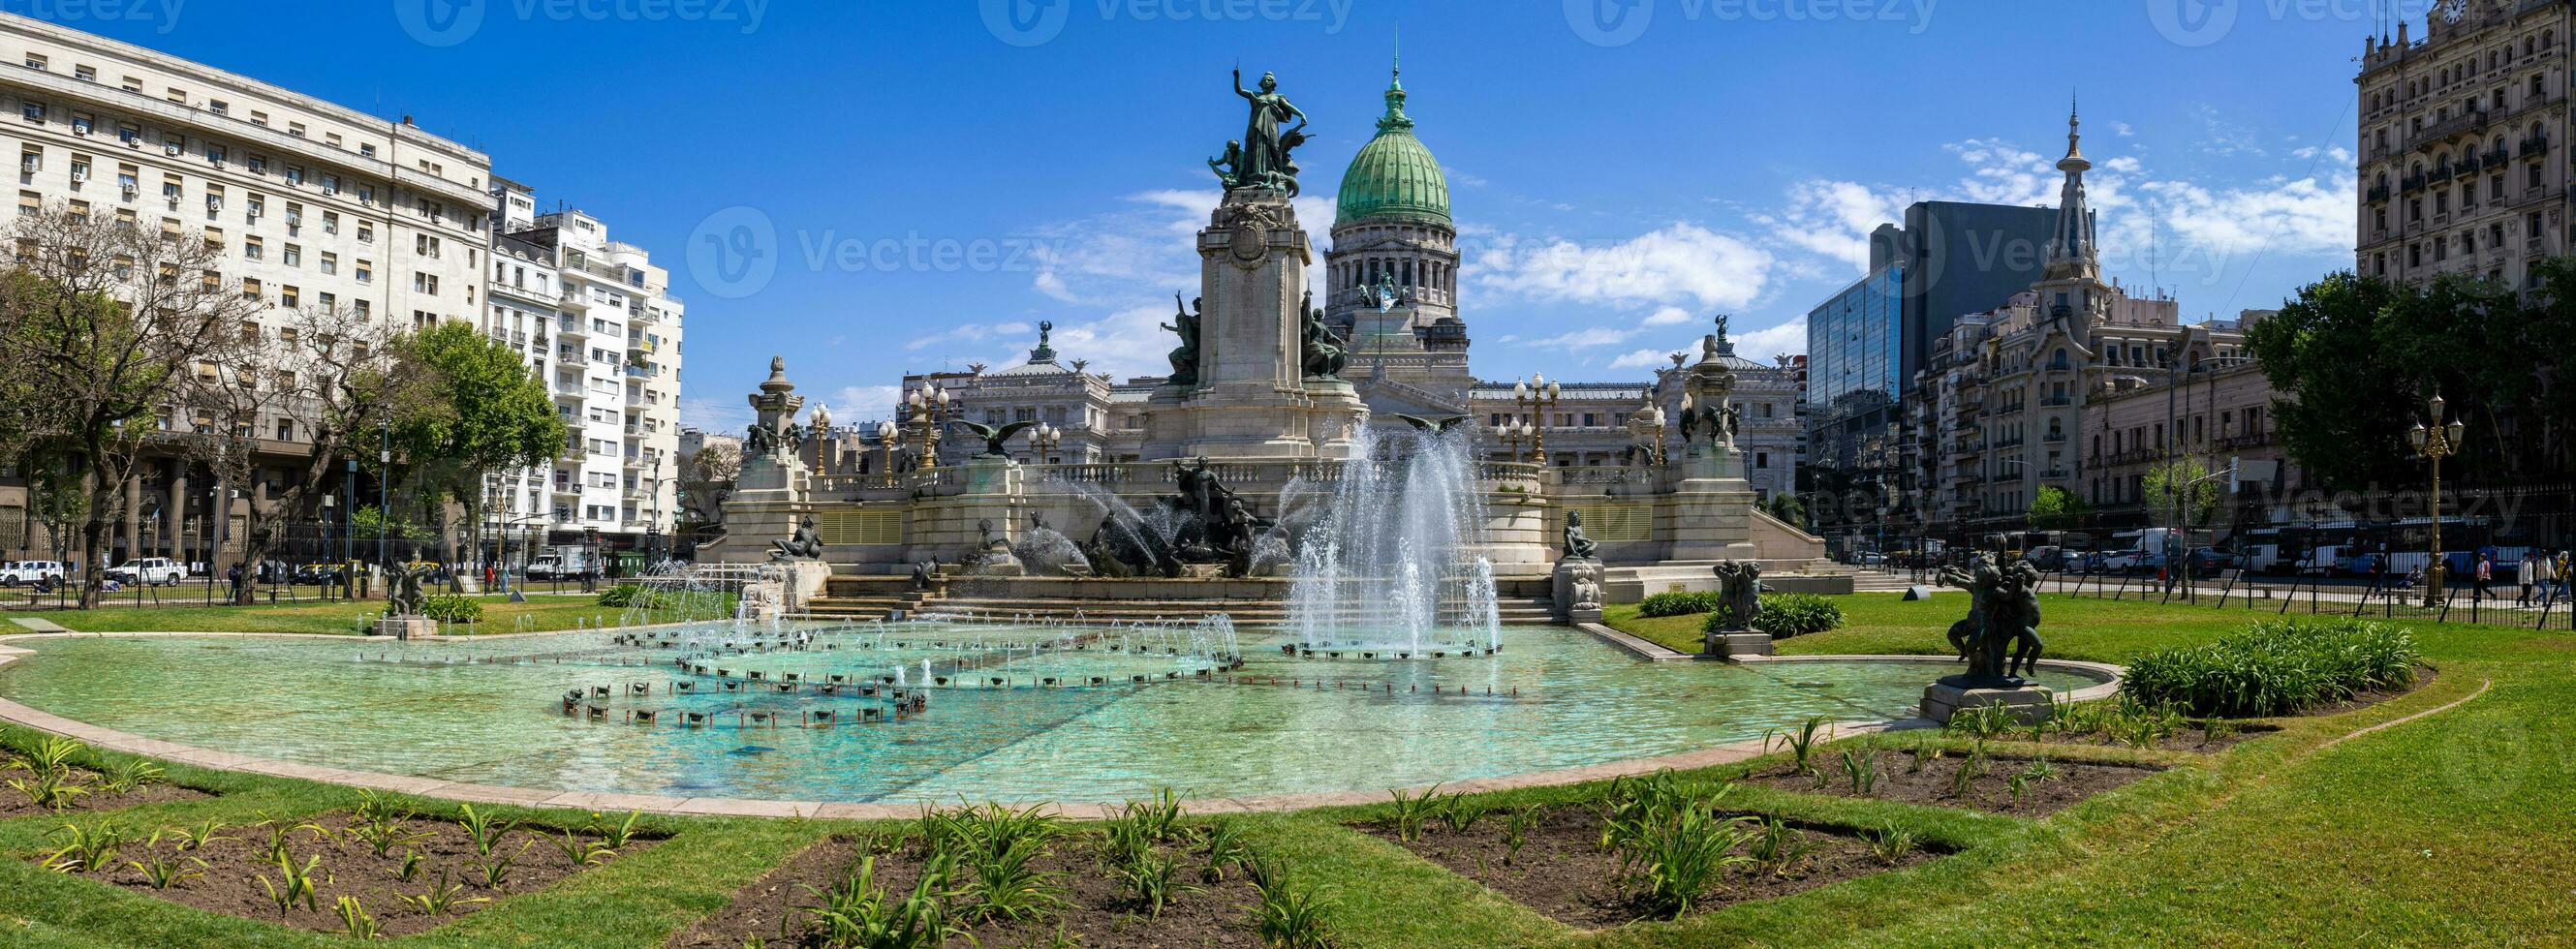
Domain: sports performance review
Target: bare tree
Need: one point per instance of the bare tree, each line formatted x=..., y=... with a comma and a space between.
x=111, y=326
x=706, y=482
x=333, y=376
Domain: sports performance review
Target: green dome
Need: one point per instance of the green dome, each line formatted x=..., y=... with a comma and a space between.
x=1394, y=177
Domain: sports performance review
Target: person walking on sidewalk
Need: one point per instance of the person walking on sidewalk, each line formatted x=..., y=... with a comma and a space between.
x=2485, y=576
x=2523, y=578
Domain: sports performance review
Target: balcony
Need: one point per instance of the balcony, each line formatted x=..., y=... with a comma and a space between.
x=2533, y=147
x=2466, y=121
x=2377, y=193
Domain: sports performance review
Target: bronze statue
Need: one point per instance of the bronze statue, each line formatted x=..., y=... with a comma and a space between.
x=994, y=437
x=1440, y=426
x=1325, y=353
x=2000, y=636
x=1185, y=358
x=804, y=544
x=1577, y=546
x=402, y=590
x=1228, y=167
x=1263, y=161
x=1739, y=584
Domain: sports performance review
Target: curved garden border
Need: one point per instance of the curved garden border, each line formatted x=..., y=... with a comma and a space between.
x=111, y=739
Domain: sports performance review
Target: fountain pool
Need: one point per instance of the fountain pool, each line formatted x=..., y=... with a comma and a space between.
x=495, y=711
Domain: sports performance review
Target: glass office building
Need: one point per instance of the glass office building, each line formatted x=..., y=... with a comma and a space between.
x=1855, y=361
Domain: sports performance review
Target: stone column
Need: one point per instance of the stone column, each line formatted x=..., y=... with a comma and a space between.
x=175, y=511
x=133, y=522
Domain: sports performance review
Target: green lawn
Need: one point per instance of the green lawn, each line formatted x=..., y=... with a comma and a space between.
x=2446, y=830
x=1884, y=624
x=541, y=613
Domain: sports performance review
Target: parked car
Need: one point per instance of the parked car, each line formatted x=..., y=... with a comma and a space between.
x=24, y=572
x=320, y=574
x=1866, y=558
x=2208, y=561
x=2117, y=561
x=153, y=571
x=2050, y=558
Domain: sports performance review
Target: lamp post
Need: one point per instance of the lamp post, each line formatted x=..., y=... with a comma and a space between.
x=1515, y=434
x=2434, y=443
x=930, y=405
x=888, y=437
x=1537, y=395
x=1043, y=439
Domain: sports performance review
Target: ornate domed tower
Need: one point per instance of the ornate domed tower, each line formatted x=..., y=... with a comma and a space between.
x=1391, y=277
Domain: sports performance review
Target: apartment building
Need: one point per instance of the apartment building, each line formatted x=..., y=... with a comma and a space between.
x=2462, y=164
x=596, y=320
x=311, y=204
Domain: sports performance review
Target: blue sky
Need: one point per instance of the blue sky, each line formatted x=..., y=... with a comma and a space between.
x=924, y=181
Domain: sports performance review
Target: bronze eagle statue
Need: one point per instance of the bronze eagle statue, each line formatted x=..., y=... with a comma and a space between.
x=1435, y=426
x=994, y=437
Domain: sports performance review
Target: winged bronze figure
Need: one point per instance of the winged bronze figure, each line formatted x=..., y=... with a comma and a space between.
x=994, y=438
x=1436, y=426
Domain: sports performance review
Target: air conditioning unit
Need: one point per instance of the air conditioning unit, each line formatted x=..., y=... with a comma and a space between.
x=131, y=191
x=134, y=143
x=79, y=176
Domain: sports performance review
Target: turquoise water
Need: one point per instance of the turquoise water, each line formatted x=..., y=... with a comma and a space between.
x=492, y=712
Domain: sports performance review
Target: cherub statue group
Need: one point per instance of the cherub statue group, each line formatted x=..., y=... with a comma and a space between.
x=2003, y=617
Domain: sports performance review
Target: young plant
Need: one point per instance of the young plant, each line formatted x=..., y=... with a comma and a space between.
x=386, y=833
x=130, y=775
x=2217, y=730
x=1154, y=878
x=484, y=831
x=1516, y=830
x=1227, y=849
x=582, y=852
x=294, y=883
x=354, y=921
x=2040, y=770
x=2019, y=787
x=1891, y=845
x=51, y=790
x=1005, y=884
x=86, y=849
x=1963, y=782
x=54, y=757
x=196, y=838
x=410, y=868
x=1290, y=916
x=1411, y=811
x=1460, y=813
x=1983, y=722
x=163, y=871
x=1160, y=817
x=1778, y=849
x=856, y=912
x=376, y=808
x=1802, y=744
x=1860, y=767
x=496, y=868
x=1683, y=857
x=616, y=838
x=441, y=899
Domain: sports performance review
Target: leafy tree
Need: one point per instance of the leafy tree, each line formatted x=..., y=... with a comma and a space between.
x=2056, y=509
x=491, y=414
x=705, y=482
x=2181, y=486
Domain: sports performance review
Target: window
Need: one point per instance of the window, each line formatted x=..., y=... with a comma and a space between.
x=367, y=149
x=288, y=296
x=85, y=73
x=250, y=288
x=366, y=272
x=253, y=249
x=258, y=165
x=285, y=430
x=330, y=222
x=294, y=256
x=218, y=106
x=424, y=283
x=425, y=246
x=330, y=184
x=83, y=122
x=32, y=111
x=215, y=154
x=366, y=232
x=128, y=132
x=35, y=62
x=330, y=262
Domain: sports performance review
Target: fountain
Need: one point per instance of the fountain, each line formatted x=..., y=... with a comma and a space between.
x=1392, y=560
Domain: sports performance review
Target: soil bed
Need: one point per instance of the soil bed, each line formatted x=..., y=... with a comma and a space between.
x=14, y=804
x=1562, y=872
x=1907, y=777
x=229, y=881
x=1097, y=910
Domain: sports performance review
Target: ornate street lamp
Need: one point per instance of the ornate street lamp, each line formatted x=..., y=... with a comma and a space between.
x=1538, y=396
x=1043, y=439
x=1516, y=434
x=2440, y=441
x=888, y=437
x=931, y=406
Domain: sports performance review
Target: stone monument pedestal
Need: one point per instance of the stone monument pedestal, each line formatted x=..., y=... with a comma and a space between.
x=1569, y=570
x=805, y=581
x=1943, y=699
x=406, y=627
x=1738, y=642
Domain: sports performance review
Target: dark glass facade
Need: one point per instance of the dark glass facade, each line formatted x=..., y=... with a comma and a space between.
x=1855, y=361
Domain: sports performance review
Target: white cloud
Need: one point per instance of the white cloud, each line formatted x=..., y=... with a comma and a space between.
x=714, y=415
x=1592, y=338
x=1788, y=339
x=852, y=405
x=2303, y=216
x=1642, y=359
x=1682, y=262
x=1833, y=218
x=1668, y=316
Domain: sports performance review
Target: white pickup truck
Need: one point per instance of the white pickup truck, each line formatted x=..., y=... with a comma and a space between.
x=154, y=571
x=23, y=572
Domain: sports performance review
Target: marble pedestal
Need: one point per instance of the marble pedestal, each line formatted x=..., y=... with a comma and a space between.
x=805, y=581
x=406, y=627
x=1567, y=571
x=2028, y=703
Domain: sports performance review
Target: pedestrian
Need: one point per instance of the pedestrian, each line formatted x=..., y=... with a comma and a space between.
x=2544, y=571
x=2378, y=576
x=2485, y=576
x=2523, y=578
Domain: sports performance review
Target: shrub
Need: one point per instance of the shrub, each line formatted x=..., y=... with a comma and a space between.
x=1787, y=614
x=620, y=595
x=2274, y=667
x=1676, y=604
x=451, y=608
